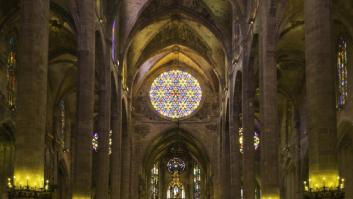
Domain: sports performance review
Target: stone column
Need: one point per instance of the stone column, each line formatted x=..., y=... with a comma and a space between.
x=248, y=93
x=225, y=156
x=235, y=171
x=126, y=159
x=103, y=64
x=320, y=93
x=269, y=110
x=116, y=157
x=82, y=179
x=32, y=93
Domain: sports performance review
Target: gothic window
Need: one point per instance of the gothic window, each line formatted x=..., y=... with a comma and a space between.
x=241, y=140
x=62, y=118
x=342, y=73
x=176, y=191
x=11, y=74
x=197, y=181
x=176, y=167
x=114, y=41
x=155, y=181
x=175, y=94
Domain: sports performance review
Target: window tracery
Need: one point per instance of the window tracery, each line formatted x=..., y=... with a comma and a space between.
x=176, y=167
x=175, y=94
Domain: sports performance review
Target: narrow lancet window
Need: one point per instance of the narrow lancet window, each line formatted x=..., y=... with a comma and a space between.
x=155, y=181
x=342, y=73
x=11, y=74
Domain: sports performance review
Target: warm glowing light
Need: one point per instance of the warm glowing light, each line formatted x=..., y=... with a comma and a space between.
x=270, y=196
x=34, y=179
x=81, y=197
x=328, y=180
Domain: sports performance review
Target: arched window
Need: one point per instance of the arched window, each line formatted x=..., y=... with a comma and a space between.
x=154, y=181
x=342, y=73
x=11, y=74
x=176, y=192
x=197, y=181
x=176, y=167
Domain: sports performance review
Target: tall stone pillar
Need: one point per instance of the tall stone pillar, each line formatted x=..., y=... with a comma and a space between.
x=116, y=157
x=32, y=93
x=103, y=63
x=269, y=110
x=320, y=94
x=225, y=156
x=126, y=159
x=248, y=93
x=82, y=179
x=235, y=171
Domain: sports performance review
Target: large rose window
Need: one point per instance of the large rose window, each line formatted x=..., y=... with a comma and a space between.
x=175, y=94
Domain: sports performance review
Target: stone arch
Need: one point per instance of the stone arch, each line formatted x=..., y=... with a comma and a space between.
x=158, y=148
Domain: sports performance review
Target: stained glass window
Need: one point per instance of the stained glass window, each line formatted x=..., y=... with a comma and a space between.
x=95, y=138
x=11, y=76
x=155, y=181
x=342, y=73
x=114, y=41
x=241, y=140
x=175, y=94
x=62, y=120
x=197, y=181
x=176, y=167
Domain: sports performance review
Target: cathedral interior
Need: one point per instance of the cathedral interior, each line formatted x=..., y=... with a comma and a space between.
x=176, y=99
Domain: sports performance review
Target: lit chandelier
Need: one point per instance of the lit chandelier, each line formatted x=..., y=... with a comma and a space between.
x=329, y=190
x=176, y=165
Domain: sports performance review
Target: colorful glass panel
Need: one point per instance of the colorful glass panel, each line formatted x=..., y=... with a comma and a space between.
x=342, y=73
x=175, y=94
x=62, y=120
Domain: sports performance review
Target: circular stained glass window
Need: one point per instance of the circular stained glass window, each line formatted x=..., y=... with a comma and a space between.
x=175, y=94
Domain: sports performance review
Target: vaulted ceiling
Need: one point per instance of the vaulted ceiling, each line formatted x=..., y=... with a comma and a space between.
x=195, y=33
